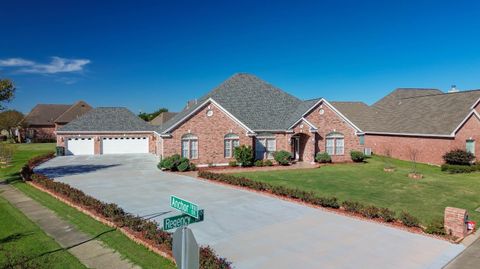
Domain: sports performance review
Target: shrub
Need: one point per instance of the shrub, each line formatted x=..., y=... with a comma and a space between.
x=244, y=155
x=232, y=164
x=354, y=207
x=184, y=165
x=357, y=156
x=193, y=167
x=387, y=215
x=370, y=212
x=323, y=157
x=436, y=227
x=459, y=157
x=258, y=163
x=329, y=202
x=282, y=157
x=457, y=169
x=267, y=163
x=208, y=259
x=409, y=220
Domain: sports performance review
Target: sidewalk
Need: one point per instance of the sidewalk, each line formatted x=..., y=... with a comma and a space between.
x=468, y=259
x=89, y=251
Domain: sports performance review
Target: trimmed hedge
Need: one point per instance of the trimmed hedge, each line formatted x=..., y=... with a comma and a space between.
x=176, y=163
x=458, y=169
x=146, y=229
x=323, y=157
x=282, y=157
x=368, y=211
x=357, y=156
x=459, y=157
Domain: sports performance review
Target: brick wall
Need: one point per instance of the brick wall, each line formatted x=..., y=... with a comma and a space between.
x=210, y=132
x=454, y=222
x=430, y=149
x=41, y=132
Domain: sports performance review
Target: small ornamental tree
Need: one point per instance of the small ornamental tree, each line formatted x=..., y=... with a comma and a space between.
x=244, y=155
x=387, y=158
x=458, y=157
x=413, y=152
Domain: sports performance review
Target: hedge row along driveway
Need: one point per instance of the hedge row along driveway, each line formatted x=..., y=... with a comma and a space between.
x=250, y=229
x=367, y=183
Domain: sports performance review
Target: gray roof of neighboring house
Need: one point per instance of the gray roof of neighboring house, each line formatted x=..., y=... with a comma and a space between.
x=256, y=103
x=162, y=118
x=45, y=114
x=412, y=111
x=107, y=119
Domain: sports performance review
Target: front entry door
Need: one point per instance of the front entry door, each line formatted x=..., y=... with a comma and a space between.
x=296, y=147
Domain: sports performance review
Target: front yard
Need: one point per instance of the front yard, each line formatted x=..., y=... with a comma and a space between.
x=367, y=183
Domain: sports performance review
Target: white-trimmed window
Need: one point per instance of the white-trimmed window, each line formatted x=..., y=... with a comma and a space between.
x=231, y=141
x=190, y=146
x=335, y=144
x=471, y=146
x=265, y=147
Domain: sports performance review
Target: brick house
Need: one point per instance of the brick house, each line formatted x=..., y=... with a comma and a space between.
x=41, y=123
x=245, y=110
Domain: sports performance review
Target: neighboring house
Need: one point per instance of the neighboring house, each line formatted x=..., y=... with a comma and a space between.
x=44, y=119
x=162, y=118
x=245, y=110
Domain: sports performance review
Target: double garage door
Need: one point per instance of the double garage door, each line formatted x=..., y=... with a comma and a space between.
x=108, y=145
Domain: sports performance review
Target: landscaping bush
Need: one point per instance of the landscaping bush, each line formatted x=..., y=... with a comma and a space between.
x=258, y=163
x=282, y=157
x=329, y=202
x=146, y=229
x=357, y=156
x=244, y=155
x=354, y=207
x=436, y=227
x=323, y=157
x=459, y=157
x=176, y=163
x=267, y=163
x=409, y=220
x=232, y=164
x=387, y=215
x=457, y=169
x=370, y=211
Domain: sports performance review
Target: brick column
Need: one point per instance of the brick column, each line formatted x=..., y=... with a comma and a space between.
x=455, y=221
x=97, y=145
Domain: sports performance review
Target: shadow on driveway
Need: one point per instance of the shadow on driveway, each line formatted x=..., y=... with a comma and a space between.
x=70, y=170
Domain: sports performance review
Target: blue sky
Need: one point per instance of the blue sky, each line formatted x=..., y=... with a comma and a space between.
x=150, y=54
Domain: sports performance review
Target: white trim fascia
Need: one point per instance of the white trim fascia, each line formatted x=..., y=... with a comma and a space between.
x=334, y=109
x=472, y=112
x=475, y=104
x=209, y=100
x=410, y=134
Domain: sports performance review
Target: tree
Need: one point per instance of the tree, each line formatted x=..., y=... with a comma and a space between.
x=10, y=119
x=7, y=91
x=413, y=152
x=151, y=116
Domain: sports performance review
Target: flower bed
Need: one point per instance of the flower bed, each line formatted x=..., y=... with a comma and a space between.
x=146, y=231
x=384, y=215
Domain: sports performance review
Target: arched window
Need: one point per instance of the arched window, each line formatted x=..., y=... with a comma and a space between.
x=231, y=141
x=190, y=146
x=335, y=144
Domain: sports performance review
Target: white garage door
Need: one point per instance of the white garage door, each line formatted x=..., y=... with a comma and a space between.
x=79, y=146
x=123, y=145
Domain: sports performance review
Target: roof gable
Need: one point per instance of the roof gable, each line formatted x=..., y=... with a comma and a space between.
x=75, y=111
x=45, y=114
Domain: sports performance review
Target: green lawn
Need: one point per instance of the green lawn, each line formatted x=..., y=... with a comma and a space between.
x=113, y=238
x=369, y=184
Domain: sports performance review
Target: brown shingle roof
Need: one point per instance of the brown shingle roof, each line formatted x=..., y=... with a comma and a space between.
x=412, y=111
x=45, y=114
x=75, y=111
x=162, y=118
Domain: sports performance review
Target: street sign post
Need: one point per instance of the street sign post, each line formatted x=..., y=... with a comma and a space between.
x=181, y=220
x=184, y=206
x=185, y=249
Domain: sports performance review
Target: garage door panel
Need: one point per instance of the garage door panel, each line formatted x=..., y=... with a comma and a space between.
x=124, y=145
x=80, y=146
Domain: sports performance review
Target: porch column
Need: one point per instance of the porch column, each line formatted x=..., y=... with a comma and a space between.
x=313, y=140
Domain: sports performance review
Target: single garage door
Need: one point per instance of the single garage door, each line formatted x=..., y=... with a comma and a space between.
x=79, y=146
x=124, y=145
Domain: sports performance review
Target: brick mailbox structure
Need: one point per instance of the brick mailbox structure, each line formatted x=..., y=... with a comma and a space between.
x=456, y=222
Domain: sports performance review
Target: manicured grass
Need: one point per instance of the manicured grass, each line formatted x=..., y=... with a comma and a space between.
x=22, y=240
x=368, y=183
x=111, y=237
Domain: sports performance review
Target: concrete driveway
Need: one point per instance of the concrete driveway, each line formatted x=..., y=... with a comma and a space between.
x=250, y=229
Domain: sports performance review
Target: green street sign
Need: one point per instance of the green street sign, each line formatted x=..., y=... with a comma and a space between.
x=184, y=206
x=181, y=221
